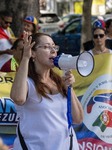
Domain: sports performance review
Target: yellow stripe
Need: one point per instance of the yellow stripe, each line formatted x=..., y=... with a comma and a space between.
x=102, y=91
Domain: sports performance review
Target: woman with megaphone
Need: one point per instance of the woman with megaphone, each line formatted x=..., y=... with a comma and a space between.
x=40, y=97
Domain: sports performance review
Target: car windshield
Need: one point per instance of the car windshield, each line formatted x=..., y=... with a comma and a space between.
x=48, y=18
x=74, y=27
x=69, y=18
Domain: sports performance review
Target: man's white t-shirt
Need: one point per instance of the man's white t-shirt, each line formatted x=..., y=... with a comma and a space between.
x=5, y=44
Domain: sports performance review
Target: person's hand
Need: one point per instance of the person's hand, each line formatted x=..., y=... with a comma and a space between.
x=12, y=40
x=7, y=51
x=4, y=147
x=27, y=45
x=68, y=79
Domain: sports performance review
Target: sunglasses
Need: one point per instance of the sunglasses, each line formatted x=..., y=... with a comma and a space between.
x=7, y=22
x=95, y=36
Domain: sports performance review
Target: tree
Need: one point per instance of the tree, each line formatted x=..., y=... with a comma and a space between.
x=86, y=22
x=20, y=9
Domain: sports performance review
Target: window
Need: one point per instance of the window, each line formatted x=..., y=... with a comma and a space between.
x=74, y=27
x=49, y=18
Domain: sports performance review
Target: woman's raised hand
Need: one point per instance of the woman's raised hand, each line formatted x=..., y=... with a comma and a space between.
x=27, y=45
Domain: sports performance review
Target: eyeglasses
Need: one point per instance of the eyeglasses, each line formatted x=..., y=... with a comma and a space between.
x=56, y=47
x=95, y=36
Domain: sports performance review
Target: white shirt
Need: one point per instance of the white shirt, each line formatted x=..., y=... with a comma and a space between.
x=43, y=122
x=5, y=44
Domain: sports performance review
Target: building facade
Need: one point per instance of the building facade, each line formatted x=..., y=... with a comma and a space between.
x=63, y=7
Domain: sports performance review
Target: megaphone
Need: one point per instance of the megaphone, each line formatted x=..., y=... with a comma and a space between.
x=84, y=63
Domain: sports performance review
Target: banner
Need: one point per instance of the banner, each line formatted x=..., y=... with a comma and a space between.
x=8, y=116
x=99, y=2
x=95, y=94
x=78, y=7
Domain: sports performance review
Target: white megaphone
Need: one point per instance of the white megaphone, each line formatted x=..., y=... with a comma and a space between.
x=84, y=63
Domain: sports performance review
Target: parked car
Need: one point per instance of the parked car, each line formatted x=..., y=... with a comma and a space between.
x=50, y=23
x=68, y=18
x=69, y=39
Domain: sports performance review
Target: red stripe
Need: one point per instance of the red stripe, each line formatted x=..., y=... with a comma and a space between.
x=3, y=34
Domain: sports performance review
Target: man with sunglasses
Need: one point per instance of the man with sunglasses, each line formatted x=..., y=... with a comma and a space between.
x=7, y=37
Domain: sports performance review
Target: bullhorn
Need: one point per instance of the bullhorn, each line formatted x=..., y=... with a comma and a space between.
x=83, y=63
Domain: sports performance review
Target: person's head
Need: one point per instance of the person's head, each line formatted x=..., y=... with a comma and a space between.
x=44, y=50
x=109, y=26
x=5, y=19
x=30, y=24
x=99, y=33
x=43, y=53
x=99, y=37
x=18, y=49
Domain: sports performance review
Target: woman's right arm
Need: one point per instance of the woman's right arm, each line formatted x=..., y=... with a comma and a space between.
x=19, y=88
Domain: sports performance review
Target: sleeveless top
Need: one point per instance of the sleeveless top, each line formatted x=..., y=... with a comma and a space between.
x=43, y=122
x=101, y=53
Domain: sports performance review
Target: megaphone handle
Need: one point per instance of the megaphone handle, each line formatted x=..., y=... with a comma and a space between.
x=69, y=114
x=64, y=72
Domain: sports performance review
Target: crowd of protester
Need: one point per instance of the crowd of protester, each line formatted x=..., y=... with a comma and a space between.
x=12, y=50
x=11, y=47
x=37, y=48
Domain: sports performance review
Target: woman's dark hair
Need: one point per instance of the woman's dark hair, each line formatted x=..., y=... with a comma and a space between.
x=108, y=23
x=105, y=31
x=40, y=86
x=34, y=29
x=6, y=13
